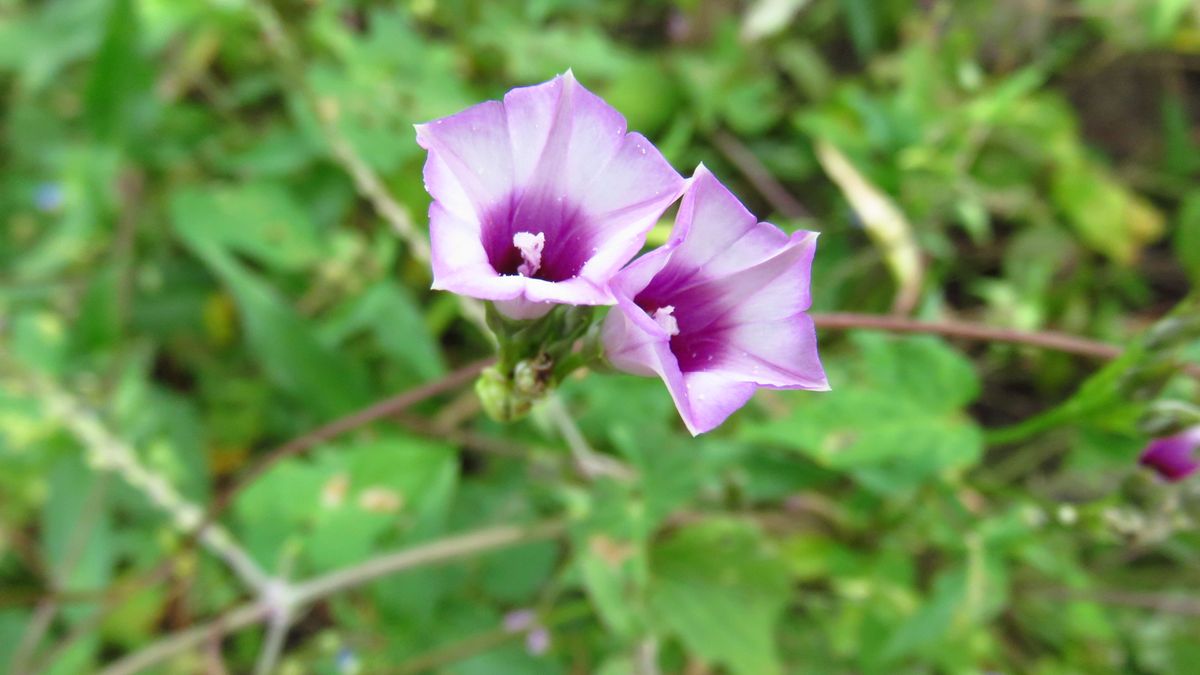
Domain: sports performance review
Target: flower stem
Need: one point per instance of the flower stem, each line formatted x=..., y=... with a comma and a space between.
x=441, y=551
x=377, y=411
x=1052, y=340
x=107, y=452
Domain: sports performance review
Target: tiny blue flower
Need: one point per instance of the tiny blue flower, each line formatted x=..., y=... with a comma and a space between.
x=347, y=662
x=48, y=197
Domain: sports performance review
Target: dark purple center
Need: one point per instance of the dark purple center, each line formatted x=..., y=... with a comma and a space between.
x=568, y=239
x=699, y=344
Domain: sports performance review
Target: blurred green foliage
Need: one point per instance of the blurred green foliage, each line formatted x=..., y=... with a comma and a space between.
x=180, y=248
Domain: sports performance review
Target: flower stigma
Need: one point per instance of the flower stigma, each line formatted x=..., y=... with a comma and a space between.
x=531, y=247
x=665, y=318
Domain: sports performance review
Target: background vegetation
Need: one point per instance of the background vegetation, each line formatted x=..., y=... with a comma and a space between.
x=210, y=243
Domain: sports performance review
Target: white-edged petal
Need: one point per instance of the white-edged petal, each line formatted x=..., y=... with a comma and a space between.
x=779, y=354
x=709, y=399
x=472, y=157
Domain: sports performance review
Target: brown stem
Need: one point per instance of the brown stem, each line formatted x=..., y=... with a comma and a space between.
x=466, y=438
x=385, y=408
x=442, y=550
x=1060, y=342
x=233, y=620
x=29, y=552
x=1165, y=603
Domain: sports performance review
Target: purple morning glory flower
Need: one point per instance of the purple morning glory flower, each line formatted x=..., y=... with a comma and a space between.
x=1174, y=457
x=540, y=199
x=719, y=310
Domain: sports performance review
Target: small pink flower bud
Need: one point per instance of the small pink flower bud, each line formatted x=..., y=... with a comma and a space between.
x=1174, y=457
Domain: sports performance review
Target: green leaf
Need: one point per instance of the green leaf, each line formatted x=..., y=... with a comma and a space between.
x=169, y=429
x=615, y=404
x=325, y=379
x=383, y=82
x=40, y=45
x=278, y=152
x=611, y=553
x=12, y=627
x=963, y=598
x=894, y=419
x=861, y=19
x=79, y=657
x=805, y=64
x=280, y=506
x=340, y=506
x=260, y=220
x=669, y=469
x=98, y=326
x=752, y=105
x=115, y=71
x=1181, y=151
x=515, y=575
x=627, y=93
x=924, y=369
x=1166, y=16
x=136, y=618
x=1106, y=215
x=393, y=316
x=89, y=171
x=40, y=340
x=721, y=589
x=77, y=529
x=1187, y=235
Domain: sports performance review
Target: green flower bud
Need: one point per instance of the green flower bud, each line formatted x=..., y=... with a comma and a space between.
x=495, y=393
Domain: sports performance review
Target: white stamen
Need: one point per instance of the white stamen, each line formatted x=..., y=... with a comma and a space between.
x=665, y=318
x=531, y=246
